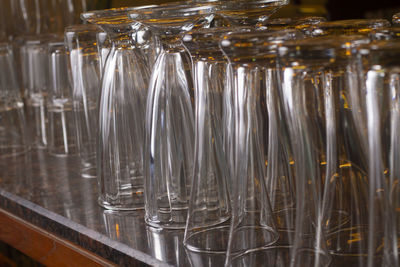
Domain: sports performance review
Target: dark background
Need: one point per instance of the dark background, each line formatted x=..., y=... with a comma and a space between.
x=347, y=9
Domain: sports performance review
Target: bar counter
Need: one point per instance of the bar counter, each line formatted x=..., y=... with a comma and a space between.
x=49, y=212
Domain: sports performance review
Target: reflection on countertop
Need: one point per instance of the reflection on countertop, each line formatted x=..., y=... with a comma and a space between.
x=50, y=193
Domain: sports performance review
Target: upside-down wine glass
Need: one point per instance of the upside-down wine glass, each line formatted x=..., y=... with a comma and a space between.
x=253, y=13
x=260, y=166
x=310, y=108
x=169, y=114
x=207, y=228
x=85, y=64
x=121, y=112
x=378, y=126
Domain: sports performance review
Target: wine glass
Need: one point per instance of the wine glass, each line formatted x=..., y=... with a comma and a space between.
x=169, y=114
x=124, y=87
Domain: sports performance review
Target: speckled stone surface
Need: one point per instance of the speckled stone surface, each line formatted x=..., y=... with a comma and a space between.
x=49, y=192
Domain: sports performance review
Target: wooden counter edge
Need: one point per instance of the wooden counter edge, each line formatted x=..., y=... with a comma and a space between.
x=43, y=246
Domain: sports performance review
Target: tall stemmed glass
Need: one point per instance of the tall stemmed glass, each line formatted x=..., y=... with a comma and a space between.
x=207, y=228
x=378, y=125
x=85, y=65
x=169, y=115
x=121, y=112
x=310, y=108
x=258, y=148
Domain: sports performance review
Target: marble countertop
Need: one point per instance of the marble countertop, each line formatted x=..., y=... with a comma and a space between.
x=49, y=192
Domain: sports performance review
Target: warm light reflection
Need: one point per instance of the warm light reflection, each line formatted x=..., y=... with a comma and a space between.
x=117, y=230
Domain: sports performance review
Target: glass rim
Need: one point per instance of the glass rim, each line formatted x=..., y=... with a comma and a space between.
x=82, y=28
x=111, y=16
x=260, y=38
x=172, y=10
x=239, y=4
x=218, y=30
x=309, y=20
x=355, y=24
x=327, y=48
x=56, y=47
x=332, y=40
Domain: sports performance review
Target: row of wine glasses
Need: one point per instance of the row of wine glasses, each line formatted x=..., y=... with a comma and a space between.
x=32, y=17
x=269, y=141
x=36, y=72
x=255, y=133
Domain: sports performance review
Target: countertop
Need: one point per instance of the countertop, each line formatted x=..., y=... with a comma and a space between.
x=48, y=192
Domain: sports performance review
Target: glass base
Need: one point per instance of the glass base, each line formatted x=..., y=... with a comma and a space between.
x=205, y=259
x=272, y=256
x=251, y=238
x=212, y=239
x=127, y=205
x=89, y=172
x=176, y=219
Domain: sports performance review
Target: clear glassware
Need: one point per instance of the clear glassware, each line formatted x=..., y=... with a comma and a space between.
x=124, y=226
x=305, y=23
x=378, y=124
x=207, y=228
x=201, y=259
x=396, y=19
x=166, y=245
x=260, y=166
x=61, y=130
x=278, y=156
x=169, y=116
x=300, y=23
x=121, y=113
x=34, y=65
x=352, y=26
x=312, y=103
x=249, y=13
x=311, y=20
x=13, y=128
x=278, y=22
x=103, y=47
x=86, y=70
x=346, y=211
